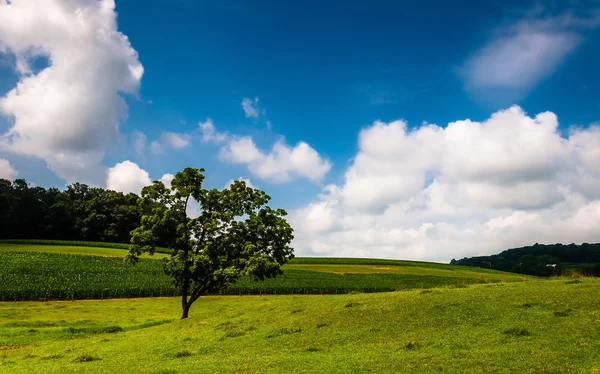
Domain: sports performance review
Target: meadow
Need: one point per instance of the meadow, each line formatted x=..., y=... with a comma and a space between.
x=68, y=272
x=538, y=326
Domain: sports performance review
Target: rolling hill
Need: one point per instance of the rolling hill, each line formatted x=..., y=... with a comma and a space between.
x=525, y=327
x=67, y=272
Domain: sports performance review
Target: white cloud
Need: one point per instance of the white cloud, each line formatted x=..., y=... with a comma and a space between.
x=241, y=150
x=210, y=134
x=170, y=140
x=245, y=180
x=193, y=209
x=521, y=55
x=167, y=179
x=250, y=107
x=139, y=140
x=434, y=193
x=281, y=164
x=174, y=140
x=127, y=177
x=69, y=112
x=6, y=170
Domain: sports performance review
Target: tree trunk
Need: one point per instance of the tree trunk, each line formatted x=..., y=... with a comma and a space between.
x=186, y=310
x=185, y=304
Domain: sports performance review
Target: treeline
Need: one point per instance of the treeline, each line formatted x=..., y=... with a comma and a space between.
x=539, y=259
x=79, y=212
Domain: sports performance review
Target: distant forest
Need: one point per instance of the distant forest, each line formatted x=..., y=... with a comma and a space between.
x=536, y=260
x=79, y=212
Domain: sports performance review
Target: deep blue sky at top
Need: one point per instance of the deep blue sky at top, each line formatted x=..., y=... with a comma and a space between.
x=322, y=70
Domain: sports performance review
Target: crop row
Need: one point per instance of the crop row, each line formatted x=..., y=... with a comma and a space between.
x=296, y=260
x=43, y=276
x=75, y=243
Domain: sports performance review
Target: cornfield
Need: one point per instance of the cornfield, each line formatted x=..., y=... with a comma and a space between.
x=44, y=276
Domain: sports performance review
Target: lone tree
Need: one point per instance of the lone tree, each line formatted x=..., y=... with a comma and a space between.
x=236, y=234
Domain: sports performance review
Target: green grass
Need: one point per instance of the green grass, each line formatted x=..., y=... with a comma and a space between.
x=72, y=243
x=423, y=270
x=385, y=262
x=525, y=327
x=72, y=249
x=42, y=272
x=75, y=243
x=295, y=281
x=98, y=248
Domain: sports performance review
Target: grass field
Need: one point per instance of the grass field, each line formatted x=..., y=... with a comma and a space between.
x=72, y=249
x=73, y=243
x=41, y=272
x=412, y=270
x=526, y=327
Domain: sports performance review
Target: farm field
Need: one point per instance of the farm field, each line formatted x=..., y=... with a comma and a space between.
x=413, y=270
x=72, y=249
x=522, y=327
x=41, y=272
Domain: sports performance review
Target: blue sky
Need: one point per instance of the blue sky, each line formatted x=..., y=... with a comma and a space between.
x=324, y=70
x=312, y=72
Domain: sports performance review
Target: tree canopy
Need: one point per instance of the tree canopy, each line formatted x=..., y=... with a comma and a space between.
x=236, y=234
x=79, y=212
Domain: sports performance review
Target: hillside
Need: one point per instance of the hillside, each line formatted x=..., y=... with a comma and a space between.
x=41, y=272
x=527, y=327
x=533, y=260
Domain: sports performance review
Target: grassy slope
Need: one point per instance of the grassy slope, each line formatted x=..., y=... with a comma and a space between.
x=423, y=270
x=538, y=326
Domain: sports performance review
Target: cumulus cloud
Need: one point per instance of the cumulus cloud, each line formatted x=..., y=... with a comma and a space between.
x=167, y=179
x=435, y=193
x=250, y=107
x=517, y=57
x=245, y=180
x=127, y=177
x=281, y=164
x=67, y=113
x=6, y=170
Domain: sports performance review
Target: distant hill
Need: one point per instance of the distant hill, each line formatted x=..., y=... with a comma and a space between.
x=539, y=259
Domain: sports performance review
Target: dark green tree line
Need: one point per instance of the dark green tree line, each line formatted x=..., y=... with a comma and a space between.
x=79, y=212
x=534, y=260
